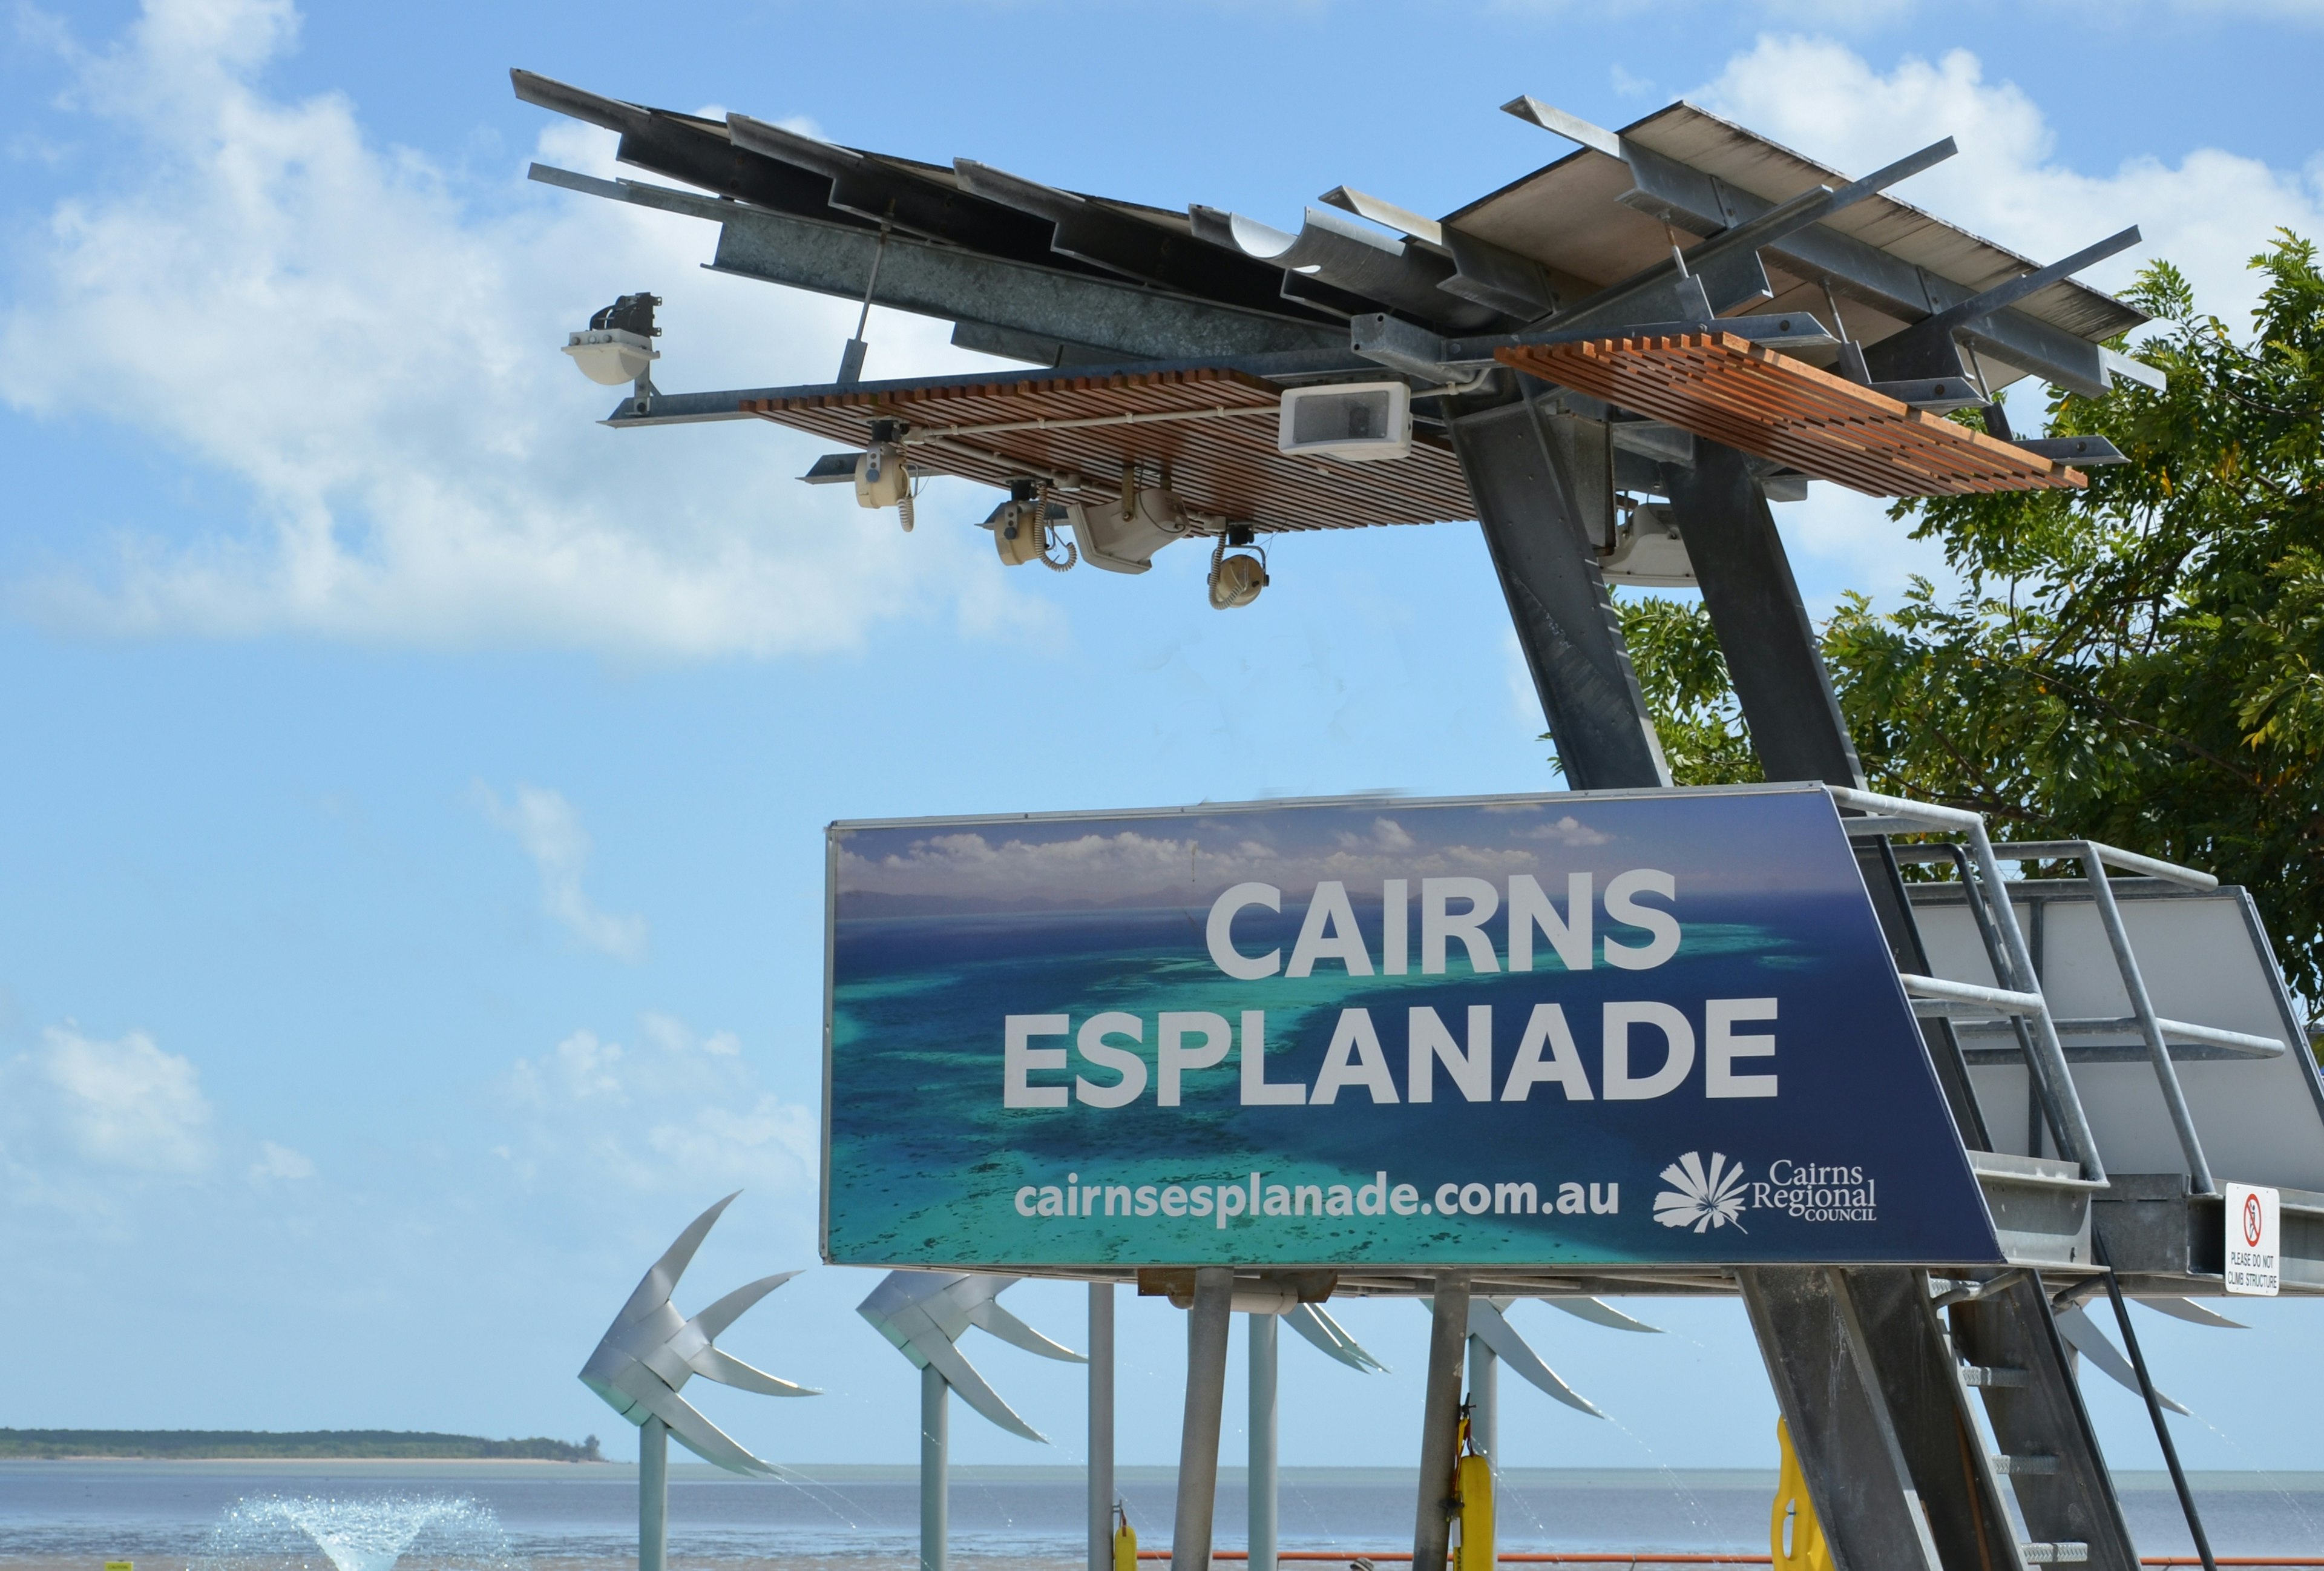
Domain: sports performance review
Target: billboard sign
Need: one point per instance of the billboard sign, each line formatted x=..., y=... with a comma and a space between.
x=1577, y=1028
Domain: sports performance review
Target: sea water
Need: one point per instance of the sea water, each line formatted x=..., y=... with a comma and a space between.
x=165, y=1515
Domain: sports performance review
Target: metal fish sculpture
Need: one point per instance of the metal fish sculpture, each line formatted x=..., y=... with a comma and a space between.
x=650, y=1351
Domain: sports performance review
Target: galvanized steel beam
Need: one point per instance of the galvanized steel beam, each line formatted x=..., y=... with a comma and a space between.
x=1776, y=661
x=1688, y=199
x=1440, y=1422
x=938, y=280
x=1537, y=481
x=1839, y=1420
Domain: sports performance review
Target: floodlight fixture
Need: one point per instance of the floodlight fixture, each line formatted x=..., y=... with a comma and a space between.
x=1360, y=422
x=617, y=346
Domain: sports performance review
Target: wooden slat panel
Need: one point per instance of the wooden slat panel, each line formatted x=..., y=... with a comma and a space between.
x=1727, y=389
x=1226, y=465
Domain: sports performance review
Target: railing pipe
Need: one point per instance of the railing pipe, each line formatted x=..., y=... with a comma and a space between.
x=2075, y=1139
x=2158, y=1051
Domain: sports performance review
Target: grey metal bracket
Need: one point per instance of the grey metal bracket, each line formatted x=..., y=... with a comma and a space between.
x=1929, y=347
x=1690, y=198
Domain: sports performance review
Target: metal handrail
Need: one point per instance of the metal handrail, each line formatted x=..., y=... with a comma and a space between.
x=1892, y=815
x=2095, y=858
x=2183, y=1031
x=2060, y=851
x=2048, y=1063
x=1995, y=998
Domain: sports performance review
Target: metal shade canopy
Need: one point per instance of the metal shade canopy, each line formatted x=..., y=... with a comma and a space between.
x=1767, y=405
x=1211, y=431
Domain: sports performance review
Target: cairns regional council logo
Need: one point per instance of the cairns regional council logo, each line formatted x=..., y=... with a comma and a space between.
x=1701, y=1198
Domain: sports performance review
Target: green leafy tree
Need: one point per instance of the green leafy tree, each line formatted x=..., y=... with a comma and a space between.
x=2141, y=661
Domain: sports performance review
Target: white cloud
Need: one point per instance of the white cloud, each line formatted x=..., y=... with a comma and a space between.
x=280, y=1162
x=580, y=1069
x=126, y=1104
x=2208, y=214
x=549, y=829
x=1127, y=867
x=1568, y=830
x=683, y=1111
x=368, y=345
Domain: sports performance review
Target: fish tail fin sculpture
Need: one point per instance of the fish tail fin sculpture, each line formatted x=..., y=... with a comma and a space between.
x=726, y=1369
x=2082, y=1334
x=990, y=1317
x=1487, y=1324
x=1317, y=1325
x=660, y=1280
x=714, y=1320
x=706, y=1441
x=1598, y=1312
x=926, y=1313
x=650, y=1351
x=962, y=1376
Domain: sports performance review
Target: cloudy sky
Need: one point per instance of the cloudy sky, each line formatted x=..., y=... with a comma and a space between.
x=411, y=890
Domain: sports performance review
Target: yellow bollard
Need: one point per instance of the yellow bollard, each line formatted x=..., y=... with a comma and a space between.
x=1474, y=1487
x=1125, y=1543
x=1794, y=1509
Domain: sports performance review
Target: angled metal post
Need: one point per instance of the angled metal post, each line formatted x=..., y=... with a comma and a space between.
x=935, y=1468
x=1484, y=1399
x=1536, y=488
x=1101, y=1427
x=653, y=1496
x=1440, y=1422
x=2150, y=1027
x=1776, y=664
x=1207, y=1324
x=1261, y=1478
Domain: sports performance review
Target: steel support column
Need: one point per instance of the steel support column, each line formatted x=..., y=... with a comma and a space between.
x=1538, y=480
x=1261, y=1487
x=935, y=1468
x=1776, y=664
x=1839, y=1420
x=1440, y=1422
x=1207, y=1322
x=1485, y=1400
x=653, y=1496
x=1101, y=1427
x=1771, y=647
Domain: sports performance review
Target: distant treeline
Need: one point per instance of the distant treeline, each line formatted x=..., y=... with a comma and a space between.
x=256, y=1444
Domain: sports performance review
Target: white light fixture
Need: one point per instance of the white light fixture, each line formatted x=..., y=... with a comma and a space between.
x=610, y=356
x=617, y=346
x=1361, y=422
x=1648, y=552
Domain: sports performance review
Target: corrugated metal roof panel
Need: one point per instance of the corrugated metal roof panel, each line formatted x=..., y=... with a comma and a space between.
x=1569, y=214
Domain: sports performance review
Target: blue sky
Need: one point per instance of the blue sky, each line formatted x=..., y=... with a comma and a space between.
x=411, y=895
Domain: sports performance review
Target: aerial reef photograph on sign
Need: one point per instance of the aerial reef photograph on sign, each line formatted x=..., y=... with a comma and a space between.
x=1521, y=1035
x=1914, y=1090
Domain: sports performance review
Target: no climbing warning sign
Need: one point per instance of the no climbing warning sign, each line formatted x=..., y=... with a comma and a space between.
x=2254, y=1264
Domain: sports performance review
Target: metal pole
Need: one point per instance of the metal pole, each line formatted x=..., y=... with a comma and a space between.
x=2158, y=1051
x=653, y=1496
x=1101, y=1427
x=1198, y=1441
x=1440, y=1422
x=1261, y=1492
x=2154, y=1407
x=935, y=1468
x=1484, y=1401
